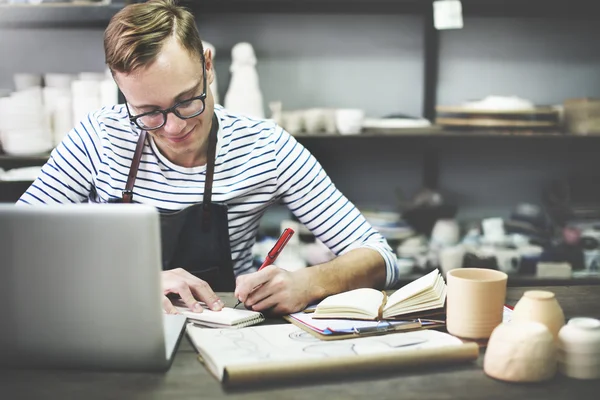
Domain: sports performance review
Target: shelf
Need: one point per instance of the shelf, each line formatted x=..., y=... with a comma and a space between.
x=96, y=15
x=524, y=280
x=437, y=133
x=416, y=134
x=530, y=8
x=309, y=6
x=8, y=162
x=64, y=15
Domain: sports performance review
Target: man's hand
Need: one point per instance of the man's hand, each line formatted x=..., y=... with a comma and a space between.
x=274, y=288
x=191, y=290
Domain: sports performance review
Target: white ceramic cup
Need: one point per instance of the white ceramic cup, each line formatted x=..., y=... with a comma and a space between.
x=349, y=120
x=451, y=258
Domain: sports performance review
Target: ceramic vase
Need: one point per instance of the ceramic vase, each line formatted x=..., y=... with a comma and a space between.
x=521, y=352
x=540, y=306
x=244, y=95
x=579, y=348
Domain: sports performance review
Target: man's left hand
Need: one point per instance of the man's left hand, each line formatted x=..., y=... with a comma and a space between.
x=274, y=289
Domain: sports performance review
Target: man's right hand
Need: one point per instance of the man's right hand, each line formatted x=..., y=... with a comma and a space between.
x=192, y=291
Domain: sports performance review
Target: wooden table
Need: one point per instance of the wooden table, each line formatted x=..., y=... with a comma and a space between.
x=188, y=379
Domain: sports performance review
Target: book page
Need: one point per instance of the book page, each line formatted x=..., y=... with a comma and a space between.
x=414, y=288
x=359, y=303
x=266, y=352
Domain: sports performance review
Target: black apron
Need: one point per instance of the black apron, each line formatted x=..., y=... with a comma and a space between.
x=195, y=238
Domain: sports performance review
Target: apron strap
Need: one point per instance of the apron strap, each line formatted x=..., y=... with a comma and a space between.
x=128, y=192
x=210, y=169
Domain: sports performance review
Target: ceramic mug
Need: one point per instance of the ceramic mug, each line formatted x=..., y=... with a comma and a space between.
x=475, y=301
x=451, y=258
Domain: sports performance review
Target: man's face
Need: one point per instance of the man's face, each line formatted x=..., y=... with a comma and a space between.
x=175, y=76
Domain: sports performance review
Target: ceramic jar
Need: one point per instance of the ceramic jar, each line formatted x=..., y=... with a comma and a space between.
x=521, y=352
x=540, y=306
x=579, y=348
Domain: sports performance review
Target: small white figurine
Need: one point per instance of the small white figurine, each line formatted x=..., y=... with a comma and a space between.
x=243, y=95
x=214, y=88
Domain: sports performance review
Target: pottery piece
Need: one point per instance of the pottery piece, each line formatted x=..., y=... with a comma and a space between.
x=475, y=301
x=349, y=121
x=540, y=306
x=244, y=95
x=579, y=348
x=521, y=352
x=451, y=258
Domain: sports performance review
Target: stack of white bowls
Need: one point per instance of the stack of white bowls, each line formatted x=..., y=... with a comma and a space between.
x=92, y=91
x=25, y=123
x=579, y=348
x=58, y=102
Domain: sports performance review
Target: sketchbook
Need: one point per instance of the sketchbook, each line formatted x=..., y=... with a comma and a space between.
x=284, y=352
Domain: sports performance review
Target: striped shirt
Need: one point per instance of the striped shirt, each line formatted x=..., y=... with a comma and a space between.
x=257, y=164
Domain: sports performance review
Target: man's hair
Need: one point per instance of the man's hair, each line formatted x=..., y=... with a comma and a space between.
x=136, y=34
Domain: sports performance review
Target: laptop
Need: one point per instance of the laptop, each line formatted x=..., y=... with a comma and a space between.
x=80, y=288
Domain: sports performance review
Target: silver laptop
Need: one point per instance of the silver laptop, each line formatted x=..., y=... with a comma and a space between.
x=80, y=288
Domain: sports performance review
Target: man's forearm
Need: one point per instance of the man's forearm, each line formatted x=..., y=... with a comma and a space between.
x=358, y=268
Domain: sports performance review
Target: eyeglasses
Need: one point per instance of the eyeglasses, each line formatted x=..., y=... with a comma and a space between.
x=185, y=109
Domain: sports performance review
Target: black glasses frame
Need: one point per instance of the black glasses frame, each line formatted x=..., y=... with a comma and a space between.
x=166, y=112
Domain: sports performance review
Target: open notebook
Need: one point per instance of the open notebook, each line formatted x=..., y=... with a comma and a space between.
x=424, y=294
x=226, y=318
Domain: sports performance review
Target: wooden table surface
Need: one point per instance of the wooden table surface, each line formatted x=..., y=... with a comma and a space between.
x=188, y=379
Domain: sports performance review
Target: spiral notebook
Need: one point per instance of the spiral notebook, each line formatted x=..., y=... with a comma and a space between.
x=226, y=318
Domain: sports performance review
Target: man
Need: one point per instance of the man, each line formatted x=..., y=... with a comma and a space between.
x=211, y=174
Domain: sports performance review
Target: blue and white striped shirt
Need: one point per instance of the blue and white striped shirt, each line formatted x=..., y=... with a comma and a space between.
x=257, y=164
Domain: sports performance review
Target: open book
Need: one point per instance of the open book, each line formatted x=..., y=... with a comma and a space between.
x=424, y=294
x=226, y=318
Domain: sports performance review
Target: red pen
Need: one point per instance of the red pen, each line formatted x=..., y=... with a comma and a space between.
x=275, y=251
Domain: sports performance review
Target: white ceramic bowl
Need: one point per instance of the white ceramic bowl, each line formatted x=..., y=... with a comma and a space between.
x=580, y=335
